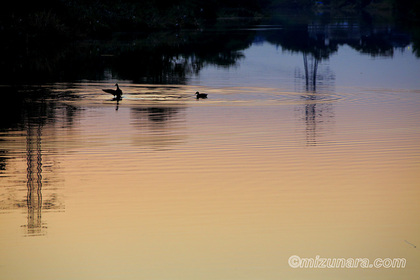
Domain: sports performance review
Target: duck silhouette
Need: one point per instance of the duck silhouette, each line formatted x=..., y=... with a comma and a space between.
x=201, y=95
x=116, y=92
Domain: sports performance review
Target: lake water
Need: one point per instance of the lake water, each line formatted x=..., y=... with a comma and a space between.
x=307, y=148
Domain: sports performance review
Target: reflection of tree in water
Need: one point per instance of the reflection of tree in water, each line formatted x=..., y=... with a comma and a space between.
x=314, y=43
x=31, y=117
x=316, y=75
x=34, y=178
x=158, y=126
x=161, y=57
x=315, y=81
x=317, y=41
x=317, y=112
x=156, y=116
x=172, y=58
x=317, y=116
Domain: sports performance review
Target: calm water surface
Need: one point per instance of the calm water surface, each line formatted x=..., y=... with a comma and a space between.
x=274, y=163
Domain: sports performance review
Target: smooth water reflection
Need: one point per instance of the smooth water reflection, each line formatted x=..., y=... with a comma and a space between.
x=291, y=154
x=209, y=190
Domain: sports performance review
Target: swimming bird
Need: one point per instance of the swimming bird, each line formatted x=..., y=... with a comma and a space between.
x=201, y=95
x=116, y=92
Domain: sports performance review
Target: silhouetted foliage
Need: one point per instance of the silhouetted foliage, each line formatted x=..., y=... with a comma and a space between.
x=59, y=19
x=53, y=18
x=40, y=37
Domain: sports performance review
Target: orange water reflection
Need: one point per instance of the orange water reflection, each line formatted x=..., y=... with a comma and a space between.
x=216, y=192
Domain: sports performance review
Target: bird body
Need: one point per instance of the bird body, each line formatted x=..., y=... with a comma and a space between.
x=201, y=95
x=116, y=92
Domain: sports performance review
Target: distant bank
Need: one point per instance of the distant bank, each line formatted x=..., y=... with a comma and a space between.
x=61, y=19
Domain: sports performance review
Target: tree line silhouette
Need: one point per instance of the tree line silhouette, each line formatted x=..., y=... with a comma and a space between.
x=60, y=19
x=51, y=40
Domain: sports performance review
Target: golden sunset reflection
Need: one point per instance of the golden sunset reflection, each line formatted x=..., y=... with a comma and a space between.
x=215, y=192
